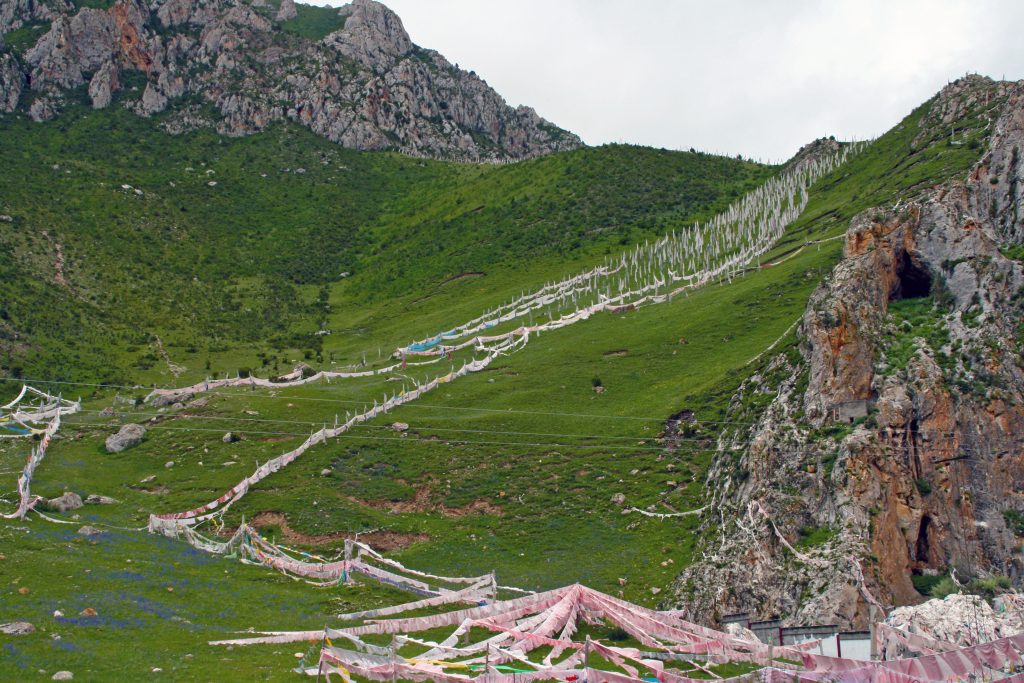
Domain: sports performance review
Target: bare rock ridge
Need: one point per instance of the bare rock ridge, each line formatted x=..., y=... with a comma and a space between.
x=231, y=65
x=891, y=448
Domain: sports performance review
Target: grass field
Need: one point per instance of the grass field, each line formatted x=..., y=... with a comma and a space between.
x=511, y=469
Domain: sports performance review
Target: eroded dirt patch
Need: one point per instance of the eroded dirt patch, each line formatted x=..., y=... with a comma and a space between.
x=421, y=502
x=384, y=541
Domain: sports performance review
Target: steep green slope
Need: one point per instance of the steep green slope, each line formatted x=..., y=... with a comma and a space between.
x=511, y=469
x=241, y=243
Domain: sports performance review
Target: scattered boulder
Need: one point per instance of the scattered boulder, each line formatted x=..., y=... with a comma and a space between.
x=230, y=437
x=199, y=402
x=148, y=479
x=619, y=499
x=107, y=412
x=655, y=590
x=326, y=472
x=63, y=676
x=17, y=628
x=169, y=464
x=400, y=427
x=128, y=436
x=88, y=612
x=169, y=400
x=89, y=531
x=65, y=503
x=94, y=499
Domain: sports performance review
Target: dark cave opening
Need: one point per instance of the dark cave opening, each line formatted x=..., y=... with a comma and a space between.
x=922, y=549
x=915, y=281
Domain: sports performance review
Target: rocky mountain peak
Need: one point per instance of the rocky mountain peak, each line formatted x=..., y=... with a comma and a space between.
x=372, y=35
x=364, y=84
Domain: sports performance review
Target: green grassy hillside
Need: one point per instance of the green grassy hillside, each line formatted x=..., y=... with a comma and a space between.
x=511, y=469
x=238, y=245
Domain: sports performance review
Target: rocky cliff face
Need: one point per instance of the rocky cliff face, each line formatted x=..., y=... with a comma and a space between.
x=228, y=64
x=894, y=444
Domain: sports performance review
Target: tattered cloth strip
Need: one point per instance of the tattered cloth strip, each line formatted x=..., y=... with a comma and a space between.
x=367, y=550
x=204, y=512
x=25, y=499
x=890, y=640
x=707, y=252
x=482, y=590
x=274, y=638
x=666, y=515
x=51, y=409
x=720, y=247
x=936, y=667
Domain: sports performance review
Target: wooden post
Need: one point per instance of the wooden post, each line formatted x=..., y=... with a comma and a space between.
x=872, y=618
x=320, y=663
x=394, y=659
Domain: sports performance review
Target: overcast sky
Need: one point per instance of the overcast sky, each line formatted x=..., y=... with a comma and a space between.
x=752, y=77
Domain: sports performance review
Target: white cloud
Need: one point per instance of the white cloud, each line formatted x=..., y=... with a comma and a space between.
x=751, y=77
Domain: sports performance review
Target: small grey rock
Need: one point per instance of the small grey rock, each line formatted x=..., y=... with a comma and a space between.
x=229, y=438
x=17, y=628
x=128, y=436
x=95, y=499
x=62, y=676
x=169, y=464
x=326, y=472
x=68, y=501
x=89, y=531
x=619, y=499
x=400, y=426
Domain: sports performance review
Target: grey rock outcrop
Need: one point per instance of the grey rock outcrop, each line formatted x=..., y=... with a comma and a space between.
x=16, y=13
x=104, y=83
x=287, y=10
x=373, y=35
x=128, y=436
x=74, y=45
x=365, y=86
x=12, y=82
